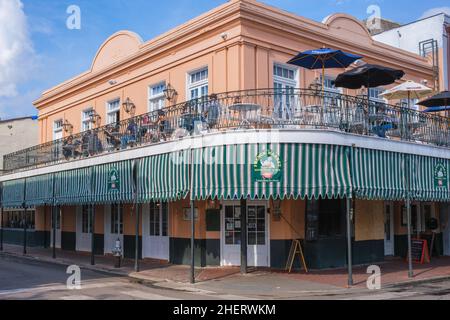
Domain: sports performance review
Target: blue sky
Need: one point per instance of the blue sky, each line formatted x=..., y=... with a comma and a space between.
x=42, y=52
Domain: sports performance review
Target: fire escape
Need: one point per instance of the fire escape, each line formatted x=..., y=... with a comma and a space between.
x=430, y=49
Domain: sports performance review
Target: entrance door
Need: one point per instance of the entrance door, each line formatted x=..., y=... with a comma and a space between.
x=445, y=223
x=58, y=228
x=388, y=229
x=113, y=226
x=84, y=228
x=257, y=234
x=155, y=225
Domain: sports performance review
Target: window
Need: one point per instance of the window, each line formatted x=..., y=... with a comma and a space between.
x=159, y=219
x=256, y=225
x=86, y=123
x=113, y=111
x=198, y=84
x=58, y=218
x=375, y=94
x=329, y=86
x=86, y=219
x=325, y=219
x=156, y=97
x=13, y=219
x=116, y=219
x=411, y=103
x=58, y=129
x=284, y=83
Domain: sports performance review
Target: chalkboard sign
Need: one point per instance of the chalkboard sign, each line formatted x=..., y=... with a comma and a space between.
x=212, y=220
x=419, y=251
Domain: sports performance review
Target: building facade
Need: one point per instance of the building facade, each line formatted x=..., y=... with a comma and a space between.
x=428, y=37
x=209, y=118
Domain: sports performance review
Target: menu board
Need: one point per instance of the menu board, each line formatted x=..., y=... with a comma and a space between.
x=419, y=251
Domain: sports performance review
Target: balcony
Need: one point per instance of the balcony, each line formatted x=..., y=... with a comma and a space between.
x=295, y=109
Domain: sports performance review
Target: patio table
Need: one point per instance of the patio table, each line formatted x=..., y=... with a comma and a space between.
x=248, y=113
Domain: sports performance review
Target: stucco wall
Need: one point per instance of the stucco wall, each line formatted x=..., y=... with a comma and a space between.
x=17, y=135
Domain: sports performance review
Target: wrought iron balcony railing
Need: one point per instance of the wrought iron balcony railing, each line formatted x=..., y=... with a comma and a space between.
x=251, y=109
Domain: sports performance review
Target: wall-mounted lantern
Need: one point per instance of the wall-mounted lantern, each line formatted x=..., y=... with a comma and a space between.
x=170, y=93
x=94, y=117
x=129, y=107
x=67, y=126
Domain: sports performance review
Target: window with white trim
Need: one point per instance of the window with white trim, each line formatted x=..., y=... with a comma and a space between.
x=58, y=129
x=117, y=219
x=86, y=218
x=113, y=111
x=159, y=219
x=375, y=94
x=198, y=84
x=328, y=84
x=86, y=123
x=284, y=83
x=156, y=98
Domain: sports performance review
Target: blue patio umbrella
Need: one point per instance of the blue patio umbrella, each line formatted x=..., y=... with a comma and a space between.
x=324, y=58
x=437, y=109
x=437, y=103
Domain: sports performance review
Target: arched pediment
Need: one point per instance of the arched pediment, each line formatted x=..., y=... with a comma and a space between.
x=116, y=48
x=341, y=23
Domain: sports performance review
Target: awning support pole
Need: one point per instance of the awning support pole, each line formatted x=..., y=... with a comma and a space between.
x=244, y=236
x=54, y=209
x=24, y=230
x=408, y=214
x=136, y=249
x=192, y=275
x=93, y=235
x=1, y=229
x=349, y=216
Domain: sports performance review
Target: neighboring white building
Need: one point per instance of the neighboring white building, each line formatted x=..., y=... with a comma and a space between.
x=17, y=134
x=427, y=37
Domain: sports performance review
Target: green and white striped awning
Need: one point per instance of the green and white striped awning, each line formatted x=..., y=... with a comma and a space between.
x=39, y=190
x=73, y=187
x=262, y=171
x=378, y=175
x=164, y=177
x=13, y=193
x=113, y=183
x=430, y=178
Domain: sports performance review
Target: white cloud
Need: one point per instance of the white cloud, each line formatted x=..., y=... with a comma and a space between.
x=434, y=11
x=16, y=49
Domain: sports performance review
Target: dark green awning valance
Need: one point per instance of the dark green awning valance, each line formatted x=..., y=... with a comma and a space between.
x=164, y=177
x=39, y=190
x=13, y=193
x=378, y=175
x=73, y=187
x=113, y=183
x=263, y=171
x=430, y=178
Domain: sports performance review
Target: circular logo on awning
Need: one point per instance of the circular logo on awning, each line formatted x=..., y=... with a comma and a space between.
x=267, y=167
x=440, y=175
x=113, y=180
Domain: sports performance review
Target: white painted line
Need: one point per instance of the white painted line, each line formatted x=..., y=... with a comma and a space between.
x=146, y=295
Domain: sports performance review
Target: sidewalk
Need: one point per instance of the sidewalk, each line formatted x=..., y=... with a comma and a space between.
x=261, y=283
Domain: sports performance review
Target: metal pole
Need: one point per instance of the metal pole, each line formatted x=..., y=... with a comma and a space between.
x=349, y=240
x=54, y=209
x=136, y=249
x=93, y=235
x=243, y=236
x=192, y=275
x=408, y=216
x=24, y=230
x=1, y=229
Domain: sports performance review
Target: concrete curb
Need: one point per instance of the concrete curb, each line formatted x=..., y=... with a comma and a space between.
x=416, y=282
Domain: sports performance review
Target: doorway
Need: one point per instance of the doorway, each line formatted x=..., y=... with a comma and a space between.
x=113, y=226
x=155, y=228
x=257, y=234
x=389, y=229
x=84, y=228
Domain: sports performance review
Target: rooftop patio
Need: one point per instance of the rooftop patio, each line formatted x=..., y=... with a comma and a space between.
x=273, y=109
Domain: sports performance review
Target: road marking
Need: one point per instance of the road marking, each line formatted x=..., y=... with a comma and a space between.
x=58, y=287
x=385, y=296
x=146, y=295
x=77, y=297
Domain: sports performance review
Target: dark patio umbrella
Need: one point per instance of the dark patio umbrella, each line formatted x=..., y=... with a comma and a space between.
x=440, y=100
x=324, y=58
x=369, y=76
